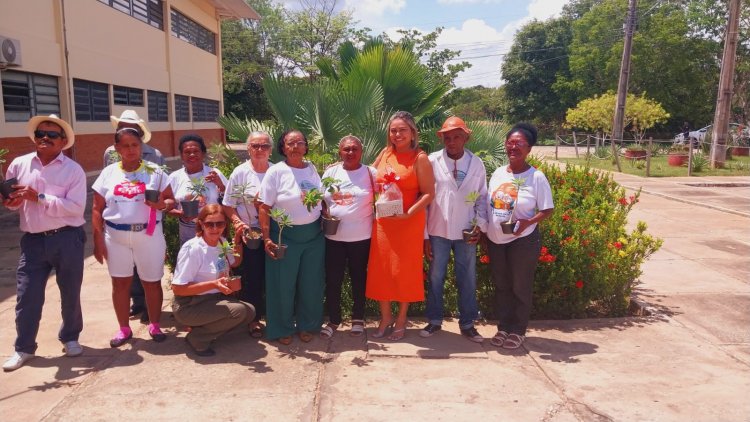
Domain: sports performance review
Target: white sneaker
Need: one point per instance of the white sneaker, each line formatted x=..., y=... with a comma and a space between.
x=72, y=348
x=16, y=361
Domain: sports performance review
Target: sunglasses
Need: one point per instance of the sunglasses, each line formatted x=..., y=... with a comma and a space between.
x=516, y=144
x=214, y=224
x=259, y=147
x=51, y=134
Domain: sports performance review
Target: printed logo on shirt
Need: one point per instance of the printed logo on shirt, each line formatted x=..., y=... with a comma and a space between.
x=504, y=200
x=343, y=197
x=306, y=185
x=130, y=189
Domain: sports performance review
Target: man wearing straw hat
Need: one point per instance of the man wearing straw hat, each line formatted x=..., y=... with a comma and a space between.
x=129, y=118
x=50, y=198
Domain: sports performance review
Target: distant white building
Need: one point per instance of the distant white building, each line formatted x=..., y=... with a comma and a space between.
x=88, y=59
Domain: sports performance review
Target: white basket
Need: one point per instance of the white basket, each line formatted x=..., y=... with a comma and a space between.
x=389, y=208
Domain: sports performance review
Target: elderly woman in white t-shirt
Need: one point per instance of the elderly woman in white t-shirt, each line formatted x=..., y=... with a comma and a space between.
x=186, y=183
x=201, y=283
x=128, y=230
x=351, y=203
x=294, y=283
x=522, y=193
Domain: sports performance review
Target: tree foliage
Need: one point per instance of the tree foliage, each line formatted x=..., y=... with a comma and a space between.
x=475, y=103
x=596, y=114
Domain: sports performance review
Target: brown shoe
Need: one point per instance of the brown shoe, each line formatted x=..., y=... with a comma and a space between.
x=286, y=340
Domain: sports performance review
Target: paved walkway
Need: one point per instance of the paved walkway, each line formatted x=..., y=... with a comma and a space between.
x=688, y=360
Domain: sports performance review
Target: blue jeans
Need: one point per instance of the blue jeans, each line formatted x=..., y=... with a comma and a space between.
x=465, y=256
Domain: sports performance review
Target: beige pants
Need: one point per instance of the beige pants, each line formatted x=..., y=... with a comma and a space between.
x=210, y=316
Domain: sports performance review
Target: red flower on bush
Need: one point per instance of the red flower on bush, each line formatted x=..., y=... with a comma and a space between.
x=617, y=245
x=543, y=251
x=579, y=284
x=633, y=199
x=484, y=259
x=565, y=217
x=623, y=201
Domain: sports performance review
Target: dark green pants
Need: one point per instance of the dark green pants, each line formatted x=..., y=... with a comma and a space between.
x=295, y=283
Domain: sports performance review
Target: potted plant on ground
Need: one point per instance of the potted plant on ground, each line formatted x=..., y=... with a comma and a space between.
x=281, y=218
x=471, y=199
x=329, y=223
x=6, y=187
x=252, y=237
x=677, y=155
x=191, y=204
x=226, y=250
x=635, y=151
x=508, y=226
x=153, y=194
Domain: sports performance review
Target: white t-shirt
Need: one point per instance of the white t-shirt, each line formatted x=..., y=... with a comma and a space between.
x=124, y=192
x=535, y=195
x=352, y=204
x=197, y=261
x=181, y=181
x=285, y=186
x=244, y=174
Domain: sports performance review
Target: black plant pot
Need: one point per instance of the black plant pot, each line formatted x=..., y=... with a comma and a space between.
x=252, y=238
x=508, y=227
x=189, y=208
x=6, y=187
x=152, y=195
x=279, y=252
x=330, y=225
x=467, y=235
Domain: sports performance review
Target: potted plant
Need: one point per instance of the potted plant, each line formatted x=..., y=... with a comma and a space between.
x=471, y=199
x=191, y=207
x=283, y=220
x=329, y=223
x=252, y=237
x=677, y=155
x=635, y=151
x=153, y=194
x=508, y=226
x=6, y=187
x=226, y=250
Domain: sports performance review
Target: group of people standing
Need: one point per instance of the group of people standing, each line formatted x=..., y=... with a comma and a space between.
x=448, y=208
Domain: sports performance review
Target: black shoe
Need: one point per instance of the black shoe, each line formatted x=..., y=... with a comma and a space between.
x=429, y=330
x=144, y=318
x=119, y=341
x=473, y=335
x=135, y=310
x=158, y=337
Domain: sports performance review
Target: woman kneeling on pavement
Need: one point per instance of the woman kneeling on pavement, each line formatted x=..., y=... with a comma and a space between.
x=201, y=283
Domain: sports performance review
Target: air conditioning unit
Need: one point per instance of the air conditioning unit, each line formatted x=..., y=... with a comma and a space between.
x=10, y=52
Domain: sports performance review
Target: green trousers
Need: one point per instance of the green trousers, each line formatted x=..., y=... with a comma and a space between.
x=295, y=284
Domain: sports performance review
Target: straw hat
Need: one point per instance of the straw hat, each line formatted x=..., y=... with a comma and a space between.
x=130, y=116
x=454, y=122
x=36, y=120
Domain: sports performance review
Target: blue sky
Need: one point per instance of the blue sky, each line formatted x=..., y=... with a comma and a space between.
x=482, y=29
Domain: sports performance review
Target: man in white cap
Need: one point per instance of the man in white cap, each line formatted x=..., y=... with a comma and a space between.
x=459, y=205
x=129, y=118
x=50, y=198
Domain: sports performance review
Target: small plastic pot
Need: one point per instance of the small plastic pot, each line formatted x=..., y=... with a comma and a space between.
x=508, y=227
x=190, y=208
x=252, y=238
x=152, y=195
x=6, y=187
x=330, y=225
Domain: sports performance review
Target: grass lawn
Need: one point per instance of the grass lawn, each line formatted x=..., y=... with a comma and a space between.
x=737, y=166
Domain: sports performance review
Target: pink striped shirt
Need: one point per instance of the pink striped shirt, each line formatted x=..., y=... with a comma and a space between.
x=63, y=184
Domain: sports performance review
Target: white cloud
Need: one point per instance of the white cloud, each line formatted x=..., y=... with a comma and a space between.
x=482, y=46
x=368, y=11
x=468, y=1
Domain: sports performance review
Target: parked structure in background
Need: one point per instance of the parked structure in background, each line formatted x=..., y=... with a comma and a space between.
x=88, y=60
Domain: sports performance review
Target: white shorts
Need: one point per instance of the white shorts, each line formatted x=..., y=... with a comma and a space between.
x=126, y=249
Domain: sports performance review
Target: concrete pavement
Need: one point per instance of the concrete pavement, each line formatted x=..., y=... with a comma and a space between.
x=688, y=360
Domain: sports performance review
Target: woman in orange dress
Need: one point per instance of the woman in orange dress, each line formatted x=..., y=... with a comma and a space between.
x=394, y=272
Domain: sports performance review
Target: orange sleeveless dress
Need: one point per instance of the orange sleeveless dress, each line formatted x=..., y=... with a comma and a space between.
x=394, y=270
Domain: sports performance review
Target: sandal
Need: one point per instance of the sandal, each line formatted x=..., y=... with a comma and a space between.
x=358, y=327
x=499, y=338
x=386, y=328
x=256, y=330
x=397, y=335
x=513, y=341
x=327, y=331
x=286, y=340
x=305, y=336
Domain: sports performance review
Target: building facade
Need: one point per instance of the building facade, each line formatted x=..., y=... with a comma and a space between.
x=88, y=59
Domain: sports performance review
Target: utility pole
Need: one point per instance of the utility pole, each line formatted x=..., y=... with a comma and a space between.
x=720, y=129
x=622, y=86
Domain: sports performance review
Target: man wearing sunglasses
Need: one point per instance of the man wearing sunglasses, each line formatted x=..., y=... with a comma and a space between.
x=130, y=118
x=50, y=198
